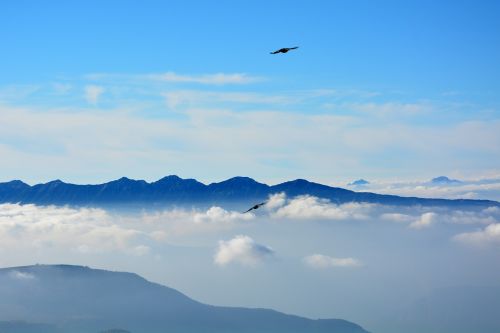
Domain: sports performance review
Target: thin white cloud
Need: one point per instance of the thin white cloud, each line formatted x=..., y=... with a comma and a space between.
x=199, y=137
x=209, y=79
x=490, y=235
x=194, y=98
x=243, y=250
x=61, y=88
x=93, y=93
x=23, y=276
x=16, y=92
x=320, y=261
x=397, y=217
x=425, y=221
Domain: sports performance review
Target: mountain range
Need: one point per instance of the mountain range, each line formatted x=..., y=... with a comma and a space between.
x=175, y=190
x=64, y=298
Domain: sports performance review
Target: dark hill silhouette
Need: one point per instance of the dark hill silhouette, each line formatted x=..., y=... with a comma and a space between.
x=79, y=299
x=175, y=190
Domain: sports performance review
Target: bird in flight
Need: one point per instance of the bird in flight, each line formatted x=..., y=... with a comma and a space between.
x=257, y=206
x=284, y=50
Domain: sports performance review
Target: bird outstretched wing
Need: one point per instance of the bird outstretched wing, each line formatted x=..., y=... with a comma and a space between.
x=284, y=50
x=257, y=206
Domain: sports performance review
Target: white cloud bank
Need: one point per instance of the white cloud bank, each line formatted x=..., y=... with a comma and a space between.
x=87, y=231
x=82, y=230
x=425, y=221
x=243, y=250
x=490, y=235
x=320, y=261
x=310, y=207
x=487, y=188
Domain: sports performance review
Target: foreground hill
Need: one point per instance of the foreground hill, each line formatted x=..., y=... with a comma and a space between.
x=62, y=298
x=175, y=190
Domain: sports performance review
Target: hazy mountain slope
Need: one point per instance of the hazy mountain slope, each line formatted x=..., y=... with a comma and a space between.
x=80, y=299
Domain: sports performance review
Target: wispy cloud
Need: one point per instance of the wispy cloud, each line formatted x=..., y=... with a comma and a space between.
x=243, y=250
x=216, y=79
x=320, y=261
x=93, y=93
x=196, y=98
x=14, y=92
x=22, y=276
x=209, y=79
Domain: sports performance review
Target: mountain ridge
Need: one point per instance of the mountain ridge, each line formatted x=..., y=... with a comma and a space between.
x=85, y=300
x=175, y=190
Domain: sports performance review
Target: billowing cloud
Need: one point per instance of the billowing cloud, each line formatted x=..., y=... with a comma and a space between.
x=310, y=207
x=84, y=230
x=276, y=201
x=243, y=250
x=93, y=93
x=425, y=221
x=320, y=261
x=218, y=214
x=488, y=236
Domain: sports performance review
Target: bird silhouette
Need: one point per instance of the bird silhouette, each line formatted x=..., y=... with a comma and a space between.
x=257, y=206
x=284, y=50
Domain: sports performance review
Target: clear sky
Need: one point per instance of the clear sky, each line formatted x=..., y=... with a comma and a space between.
x=95, y=90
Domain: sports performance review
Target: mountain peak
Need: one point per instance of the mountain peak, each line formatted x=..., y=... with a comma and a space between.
x=55, y=183
x=169, y=178
x=359, y=182
x=126, y=180
x=240, y=180
x=443, y=180
x=16, y=183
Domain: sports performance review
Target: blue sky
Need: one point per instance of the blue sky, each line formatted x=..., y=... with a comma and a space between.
x=376, y=90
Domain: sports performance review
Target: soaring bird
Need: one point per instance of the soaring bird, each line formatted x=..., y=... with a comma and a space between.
x=257, y=206
x=285, y=50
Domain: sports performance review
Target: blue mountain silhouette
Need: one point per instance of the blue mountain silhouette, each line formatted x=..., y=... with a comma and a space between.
x=175, y=190
x=79, y=299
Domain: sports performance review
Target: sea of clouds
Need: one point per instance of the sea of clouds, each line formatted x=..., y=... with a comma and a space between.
x=86, y=230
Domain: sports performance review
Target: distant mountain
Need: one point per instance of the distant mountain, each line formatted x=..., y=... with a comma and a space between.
x=443, y=180
x=359, y=182
x=62, y=298
x=175, y=190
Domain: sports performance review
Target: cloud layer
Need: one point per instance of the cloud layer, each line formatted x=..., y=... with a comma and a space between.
x=184, y=120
